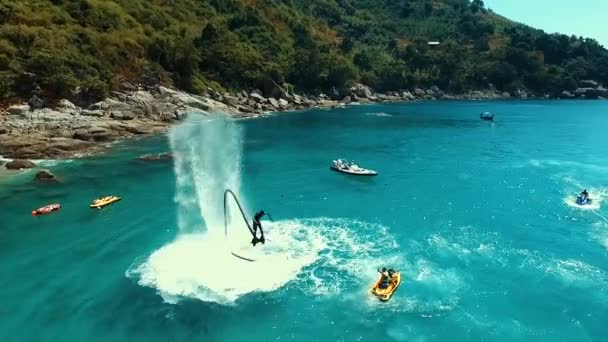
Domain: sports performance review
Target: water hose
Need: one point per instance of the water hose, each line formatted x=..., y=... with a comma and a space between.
x=228, y=191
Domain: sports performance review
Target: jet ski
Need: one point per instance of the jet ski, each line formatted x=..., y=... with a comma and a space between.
x=47, y=209
x=581, y=200
x=104, y=201
x=487, y=116
x=351, y=168
x=386, y=293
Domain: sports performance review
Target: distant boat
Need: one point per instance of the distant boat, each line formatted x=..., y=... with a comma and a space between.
x=351, y=168
x=487, y=116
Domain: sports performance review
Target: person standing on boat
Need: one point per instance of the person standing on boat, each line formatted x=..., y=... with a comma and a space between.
x=256, y=224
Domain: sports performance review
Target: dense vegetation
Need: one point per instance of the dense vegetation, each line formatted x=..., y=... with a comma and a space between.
x=58, y=45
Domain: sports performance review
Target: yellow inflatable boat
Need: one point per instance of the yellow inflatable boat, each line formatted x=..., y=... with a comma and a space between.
x=386, y=294
x=104, y=201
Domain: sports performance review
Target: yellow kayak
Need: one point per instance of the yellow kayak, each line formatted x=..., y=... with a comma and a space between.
x=102, y=202
x=387, y=293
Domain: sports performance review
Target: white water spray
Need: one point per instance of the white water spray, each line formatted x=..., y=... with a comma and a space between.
x=207, y=154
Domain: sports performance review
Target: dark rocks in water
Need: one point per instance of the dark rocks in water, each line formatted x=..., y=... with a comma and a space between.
x=156, y=157
x=19, y=164
x=45, y=176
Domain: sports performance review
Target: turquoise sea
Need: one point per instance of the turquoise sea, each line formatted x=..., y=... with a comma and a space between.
x=479, y=217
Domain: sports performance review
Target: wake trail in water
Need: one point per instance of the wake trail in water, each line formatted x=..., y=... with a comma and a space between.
x=314, y=254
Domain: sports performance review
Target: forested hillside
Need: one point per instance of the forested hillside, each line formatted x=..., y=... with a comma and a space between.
x=56, y=46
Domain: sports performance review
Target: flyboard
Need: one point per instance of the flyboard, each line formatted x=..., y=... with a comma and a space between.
x=241, y=253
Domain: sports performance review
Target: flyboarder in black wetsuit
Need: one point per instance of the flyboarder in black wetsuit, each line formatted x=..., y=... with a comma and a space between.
x=256, y=225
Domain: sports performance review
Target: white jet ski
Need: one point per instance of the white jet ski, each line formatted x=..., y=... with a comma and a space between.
x=351, y=168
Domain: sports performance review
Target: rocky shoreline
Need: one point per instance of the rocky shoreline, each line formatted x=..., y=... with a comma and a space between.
x=33, y=131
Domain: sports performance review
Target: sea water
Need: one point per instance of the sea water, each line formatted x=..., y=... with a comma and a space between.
x=479, y=217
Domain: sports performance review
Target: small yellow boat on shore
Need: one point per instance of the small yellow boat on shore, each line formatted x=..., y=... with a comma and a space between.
x=384, y=294
x=104, y=201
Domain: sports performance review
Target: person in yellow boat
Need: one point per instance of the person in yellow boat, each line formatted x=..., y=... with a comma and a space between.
x=385, y=281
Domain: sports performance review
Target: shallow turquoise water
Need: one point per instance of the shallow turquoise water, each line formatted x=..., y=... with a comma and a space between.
x=477, y=216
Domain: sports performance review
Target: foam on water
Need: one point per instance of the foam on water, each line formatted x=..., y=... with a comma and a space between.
x=596, y=196
x=321, y=256
x=600, y=233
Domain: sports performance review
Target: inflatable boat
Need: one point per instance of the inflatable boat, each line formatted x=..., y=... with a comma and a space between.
x=384, y=294
x=487, y=116
x=104, y=201
x=580, y=200
x=351, y=168
x=47, y=209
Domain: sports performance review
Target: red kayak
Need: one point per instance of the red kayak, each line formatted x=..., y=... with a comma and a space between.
x=46, y=209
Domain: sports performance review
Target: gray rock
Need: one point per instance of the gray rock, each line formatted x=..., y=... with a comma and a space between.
x=347, y=100
x=19, y=164
x=406, y=95
x=99, y=106
x=21, y=110
x=589, y=84
x=35, y=102
x=274, y=103
x=521, y=94
x=566, y=95
x=45, y=176
x=66, y=105
x=122, y=116
x=127, y=86
x=283, y=104
x=96, y=113
x=245, y=109
x=592, y=93
x=419, y=92
x=506, y=94
x=92, y=134
x=361, y=91
x=257, y=97
x=231, y=100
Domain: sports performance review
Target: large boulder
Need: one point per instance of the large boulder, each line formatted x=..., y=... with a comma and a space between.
x=19, y=164
x=274, y=103
x=521, y=94
x=21, y=110
x=361, y=91
x=566, y=95
x=88, y=112
x=588, y=84
x=45, y=176
x=35, y=102
x=272, y=89
x=419, y=92
x=259, y=98
x=231, y=100
x=92, y=134
x=122, y=116
x=283, y=104
x=408, y=96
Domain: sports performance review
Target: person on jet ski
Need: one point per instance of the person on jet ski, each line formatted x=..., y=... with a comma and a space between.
x=385, y=281
x=584, y=195
x=256, y=224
